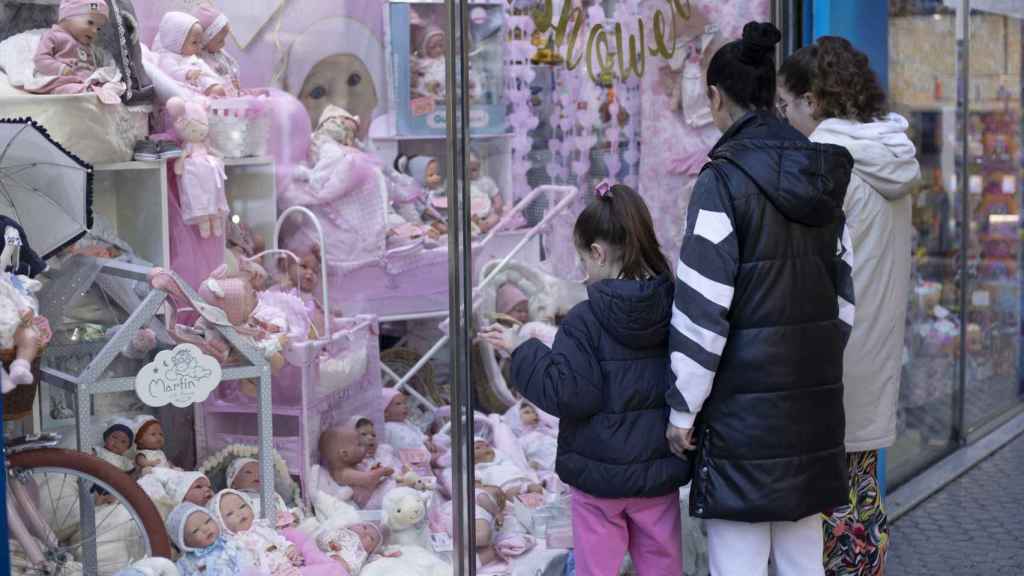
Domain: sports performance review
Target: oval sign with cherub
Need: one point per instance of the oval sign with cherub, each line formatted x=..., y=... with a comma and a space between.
x=182, y=377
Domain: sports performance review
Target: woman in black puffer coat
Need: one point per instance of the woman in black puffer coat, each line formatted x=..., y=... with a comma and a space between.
x=763, y=310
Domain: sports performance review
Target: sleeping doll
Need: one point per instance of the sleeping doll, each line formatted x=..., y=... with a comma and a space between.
x=178, y=44
x=149, y=445
x=204, y=550
x=67, y=61
x=352, y=546
x=263, y=547
x=215, y=34
x=117, y=444
x=343, y=455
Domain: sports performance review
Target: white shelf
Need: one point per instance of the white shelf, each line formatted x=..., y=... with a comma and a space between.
x=133, y=197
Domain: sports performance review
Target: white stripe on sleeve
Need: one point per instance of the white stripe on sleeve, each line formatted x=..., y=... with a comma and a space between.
x=706, y=339
x=716, y=292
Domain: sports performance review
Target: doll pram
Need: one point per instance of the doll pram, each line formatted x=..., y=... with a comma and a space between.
x=325, y=380
x=428, y=279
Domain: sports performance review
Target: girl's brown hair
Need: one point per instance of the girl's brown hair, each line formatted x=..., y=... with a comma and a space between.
x=620, y=218
x=840, y=78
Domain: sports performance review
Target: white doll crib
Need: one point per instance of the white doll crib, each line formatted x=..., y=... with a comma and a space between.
x=324, y=382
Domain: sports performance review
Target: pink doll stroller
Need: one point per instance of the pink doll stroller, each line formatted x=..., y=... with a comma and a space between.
x=325, y=380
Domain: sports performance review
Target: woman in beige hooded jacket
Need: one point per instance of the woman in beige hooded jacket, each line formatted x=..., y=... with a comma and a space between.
x=828, y=91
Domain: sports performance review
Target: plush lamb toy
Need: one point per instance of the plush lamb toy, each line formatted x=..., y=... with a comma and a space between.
x=200, y=172
x=405, y=514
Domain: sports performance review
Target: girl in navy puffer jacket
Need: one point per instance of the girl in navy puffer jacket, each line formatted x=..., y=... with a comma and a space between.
x=606, y=377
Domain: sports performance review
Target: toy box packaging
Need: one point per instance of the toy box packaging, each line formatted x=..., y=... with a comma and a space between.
x=417, y=42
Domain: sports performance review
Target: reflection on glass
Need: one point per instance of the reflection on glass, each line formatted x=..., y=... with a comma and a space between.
x=994, y=170
x=922, y=87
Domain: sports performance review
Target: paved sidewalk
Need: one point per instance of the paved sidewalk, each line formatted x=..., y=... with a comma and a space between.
x=972, y=527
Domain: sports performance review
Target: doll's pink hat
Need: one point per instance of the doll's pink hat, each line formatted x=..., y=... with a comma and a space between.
x=71, y=8
x=389, y=395
x=174, y=29
x=211, y=19
x=509, y=295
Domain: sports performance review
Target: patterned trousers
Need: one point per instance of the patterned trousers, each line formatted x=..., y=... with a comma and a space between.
x=857, y=534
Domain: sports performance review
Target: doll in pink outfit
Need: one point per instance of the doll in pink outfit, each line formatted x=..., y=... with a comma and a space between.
x=200, y=172
x=178, y=43
x=66, y=62
x=215, y=34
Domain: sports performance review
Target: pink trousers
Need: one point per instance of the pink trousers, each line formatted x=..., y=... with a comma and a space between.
x=604, y=529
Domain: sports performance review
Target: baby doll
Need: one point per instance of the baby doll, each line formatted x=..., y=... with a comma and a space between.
x=513, y=307
x=200, y=172
x=485, y=201
x=117, y=442
x=20, y=328
x=204, y=551
x=178, y=43
x=185, y=486
x=494, y=470
x=149, y=444
x=398, y=431
x=66, y=60
x=215, y=34
x=263, y=547
x=338, y=129
x=538, y=440
x=428, y=66
x=351, y=546
x=382, y=455
x=243, y=475
x=341, y=453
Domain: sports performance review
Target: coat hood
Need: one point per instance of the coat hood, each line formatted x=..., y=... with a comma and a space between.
x=636, y=314
x=805, y=181
x=883, y=155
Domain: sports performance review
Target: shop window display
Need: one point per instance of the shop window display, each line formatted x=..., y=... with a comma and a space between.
x=340, y=109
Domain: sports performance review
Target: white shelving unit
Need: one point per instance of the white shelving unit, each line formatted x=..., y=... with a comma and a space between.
x=133, y=197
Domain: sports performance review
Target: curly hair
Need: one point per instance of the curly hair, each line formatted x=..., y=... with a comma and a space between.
x=840, y=78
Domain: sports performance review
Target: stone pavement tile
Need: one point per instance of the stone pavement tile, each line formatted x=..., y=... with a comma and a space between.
x=972, y=527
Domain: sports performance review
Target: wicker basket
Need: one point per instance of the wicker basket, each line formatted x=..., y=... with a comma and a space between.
x=18, y=403
x=401, y=360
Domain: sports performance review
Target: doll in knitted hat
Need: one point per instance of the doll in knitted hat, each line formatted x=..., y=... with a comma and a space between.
x=426, y=172
x=428, y=65
x=117, y=444
x=204, y=550
x=216, y=29
x=262, y=546
x=67, y=61
x=178, y=44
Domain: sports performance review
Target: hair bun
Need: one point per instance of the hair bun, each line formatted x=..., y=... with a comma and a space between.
x=758, y=42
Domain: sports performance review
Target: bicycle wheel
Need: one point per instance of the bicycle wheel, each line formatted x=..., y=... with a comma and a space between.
x=125, y=531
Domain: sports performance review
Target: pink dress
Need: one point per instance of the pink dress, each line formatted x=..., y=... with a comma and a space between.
x=59, y=52
x=202, y=185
